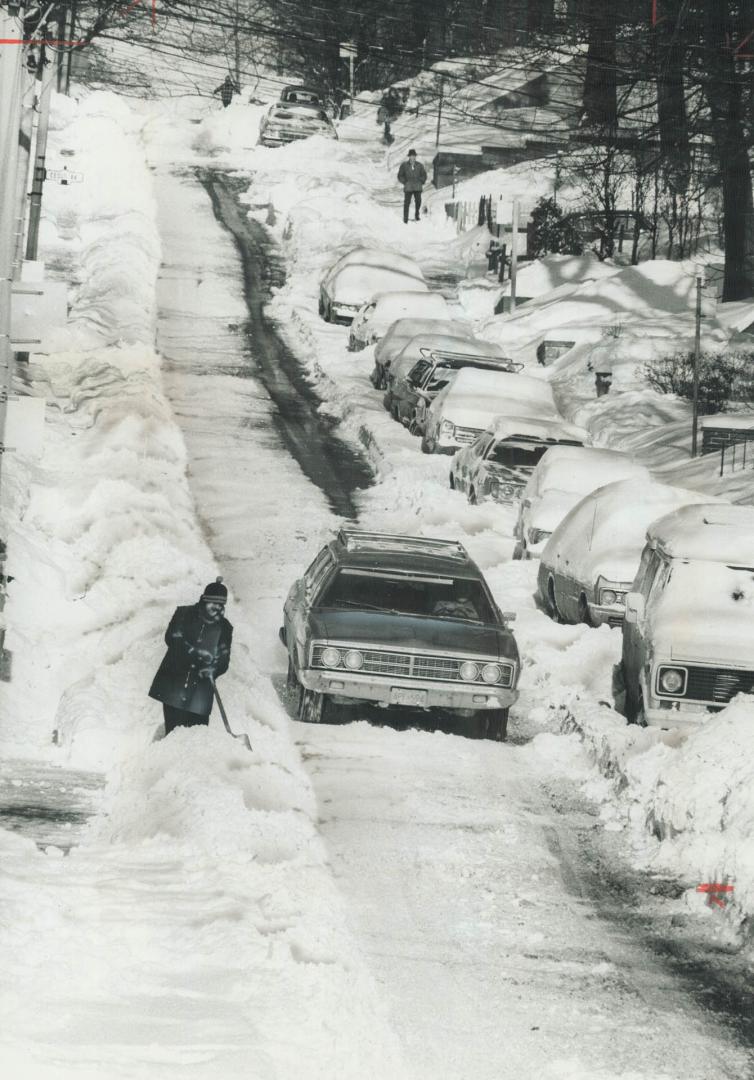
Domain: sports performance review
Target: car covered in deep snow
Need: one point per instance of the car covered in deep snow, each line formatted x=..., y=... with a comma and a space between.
x=499, y=462
x=427, y=364
x=688, y=637
x=588, y=564
x=373, y=320
x=403, y=621
x=561, y=478
x=356, y=276
x=398, y=335
x=301, y=95
x=469, y=404
x=284, y=123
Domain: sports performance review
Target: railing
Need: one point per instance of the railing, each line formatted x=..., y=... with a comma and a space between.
x=736, y=456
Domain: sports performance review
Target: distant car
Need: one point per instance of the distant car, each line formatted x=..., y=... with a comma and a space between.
x=346, y=289
x=401, y=332
x=588, y=564
x=301, y=95
x=562, y=477
x=499, y=462
x=688, y=637
x=400, y=621
x=375, y=317
x=284, y=123
x=425, y=367
x=469, y=404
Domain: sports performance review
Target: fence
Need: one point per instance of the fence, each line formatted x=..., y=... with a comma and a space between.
x=736, y=456
x=492, y=211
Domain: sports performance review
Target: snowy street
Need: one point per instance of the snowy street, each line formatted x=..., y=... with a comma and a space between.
x=373, y=898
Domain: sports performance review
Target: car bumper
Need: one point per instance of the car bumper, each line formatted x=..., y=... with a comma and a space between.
x=435, y=695
x=343, y=314
x=680, y=715
x=607, y=614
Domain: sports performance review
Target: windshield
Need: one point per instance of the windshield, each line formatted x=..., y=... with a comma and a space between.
x=410, y=594
x=516, y=456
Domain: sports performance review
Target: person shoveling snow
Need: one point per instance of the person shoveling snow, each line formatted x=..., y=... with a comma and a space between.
x=198, y=640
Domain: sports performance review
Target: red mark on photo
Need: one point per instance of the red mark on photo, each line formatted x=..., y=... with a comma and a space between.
x=56, y=43
x=716, y=893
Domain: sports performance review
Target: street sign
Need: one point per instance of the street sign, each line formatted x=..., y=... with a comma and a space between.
x=348, y=48
x=63, y=176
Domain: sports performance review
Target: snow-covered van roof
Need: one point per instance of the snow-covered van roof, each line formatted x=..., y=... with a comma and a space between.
x=426, y=344
x=391, y=305
x=504, y=387
x=378, y=258
x=508, y=426
x=605, y=533
x=712, y=532
x=356, y=284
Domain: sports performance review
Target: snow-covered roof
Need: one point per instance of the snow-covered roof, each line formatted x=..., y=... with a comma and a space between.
x=390, y=306
x=509, y=424
x=730, y=421
x=605, y=533
x=541, y=276
x=403, y=330
x=584, y=469
x=358, y=283
x=476, y=397
x=713, y=532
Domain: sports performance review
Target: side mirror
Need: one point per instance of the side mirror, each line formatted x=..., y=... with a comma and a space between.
x=509, y=616
x=634, y=607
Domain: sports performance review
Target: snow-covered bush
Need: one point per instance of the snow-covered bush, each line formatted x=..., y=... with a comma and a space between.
x=723, y=377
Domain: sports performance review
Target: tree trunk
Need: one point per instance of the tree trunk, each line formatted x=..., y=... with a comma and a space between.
x=670, y=58
x=600, y=85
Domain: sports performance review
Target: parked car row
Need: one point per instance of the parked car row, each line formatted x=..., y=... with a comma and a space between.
x=407, y=621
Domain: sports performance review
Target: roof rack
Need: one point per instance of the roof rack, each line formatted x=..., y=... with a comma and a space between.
x=428, y=353
x=356, y=540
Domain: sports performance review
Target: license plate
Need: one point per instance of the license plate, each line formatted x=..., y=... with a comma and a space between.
x=414, y=698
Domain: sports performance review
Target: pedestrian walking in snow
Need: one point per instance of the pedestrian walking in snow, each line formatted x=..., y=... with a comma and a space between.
x=198, y=640
x=227, y=89
x=413, y=176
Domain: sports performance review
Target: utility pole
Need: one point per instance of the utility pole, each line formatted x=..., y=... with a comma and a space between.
x=237, y=46
x=697, y=354
x=26, y=122
x=514, y=254
x=11, y=58
x=40, y=153
x=69, y=52
x=439, y=111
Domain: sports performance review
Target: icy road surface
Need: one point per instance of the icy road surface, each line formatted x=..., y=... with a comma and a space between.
x=459, y=877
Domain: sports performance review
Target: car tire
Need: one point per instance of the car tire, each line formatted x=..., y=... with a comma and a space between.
x=376, y=378
x=395, y=411
x=387, y=400
x=518, y=551
x=584, y=616
x=291, y=678
x=428, y=445
x=321, y=307
x=476, y=726
x=635, y=708
x=472, y=497
x=452, y=482
x=497, y=725
x=311, y=706
x=551, y=603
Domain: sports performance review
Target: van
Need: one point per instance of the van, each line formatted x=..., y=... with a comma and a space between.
x=688, y=635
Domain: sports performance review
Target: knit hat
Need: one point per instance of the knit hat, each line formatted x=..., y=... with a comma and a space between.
x=216, y=592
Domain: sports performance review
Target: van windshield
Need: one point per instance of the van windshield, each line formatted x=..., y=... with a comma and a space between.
x=409, y=594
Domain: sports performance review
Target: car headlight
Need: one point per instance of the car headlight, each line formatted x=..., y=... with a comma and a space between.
x=330, y=657
x=536, y=536
x=447, y=429
x=672, y=680
x=354, y=659
x=611, y=597
x=491, y=673
x=468, y=671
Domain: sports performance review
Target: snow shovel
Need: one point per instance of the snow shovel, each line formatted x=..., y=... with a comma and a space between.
x=243, y=737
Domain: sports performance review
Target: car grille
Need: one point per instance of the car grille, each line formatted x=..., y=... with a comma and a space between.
x=467, y=435
x=718, y=685
x=416, y=665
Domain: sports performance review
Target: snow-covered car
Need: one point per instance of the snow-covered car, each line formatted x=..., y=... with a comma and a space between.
x=588, y=564
x=562, y=477
x=402, y=621
x=284, y=123
x=401, y=332
x=375, y=317
x=468, y=405
x=427, y=364
x=688, y=638
x=499, y=462
x=347, y=288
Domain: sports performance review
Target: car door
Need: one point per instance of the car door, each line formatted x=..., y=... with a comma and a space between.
x=298, y=603
x=652, y=572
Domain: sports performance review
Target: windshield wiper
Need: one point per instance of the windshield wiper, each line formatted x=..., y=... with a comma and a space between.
x=363, y=607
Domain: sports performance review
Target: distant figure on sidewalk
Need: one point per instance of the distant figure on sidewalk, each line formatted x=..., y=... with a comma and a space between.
x=413, y=176
x=227, y=89
x=198, y=640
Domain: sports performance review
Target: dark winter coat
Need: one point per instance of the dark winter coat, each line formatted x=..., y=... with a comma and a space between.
x=413, y=177
x=178, y=682
x=226, y=90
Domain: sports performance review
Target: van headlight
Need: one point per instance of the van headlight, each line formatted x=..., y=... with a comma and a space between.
x=611, y=593
x=672, y=680
x=354, y=660
x=468, y=671
x=330, y=657
x=491, y=673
